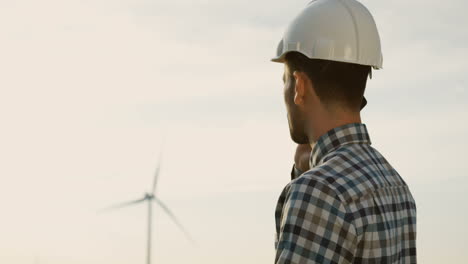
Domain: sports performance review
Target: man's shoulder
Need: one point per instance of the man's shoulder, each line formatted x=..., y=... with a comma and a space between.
x=313, y=177
x=305, y=194
x=350, y=173
x=347, y=181
x=309, y=183
x=317, y=182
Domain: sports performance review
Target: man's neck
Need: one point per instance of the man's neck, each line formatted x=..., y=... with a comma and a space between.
x=320, y=127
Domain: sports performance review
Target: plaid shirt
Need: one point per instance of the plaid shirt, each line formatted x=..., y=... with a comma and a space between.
x=351, y=207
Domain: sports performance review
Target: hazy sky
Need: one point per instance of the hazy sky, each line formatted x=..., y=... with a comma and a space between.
x=88, y=90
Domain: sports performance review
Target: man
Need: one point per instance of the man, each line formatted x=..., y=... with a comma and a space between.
x=345, y=203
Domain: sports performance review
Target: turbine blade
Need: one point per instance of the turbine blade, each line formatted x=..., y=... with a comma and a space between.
x=156, y=175
x=174, y=219
x=120, y=205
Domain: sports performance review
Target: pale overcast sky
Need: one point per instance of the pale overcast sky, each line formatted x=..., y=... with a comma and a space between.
x=88, y=89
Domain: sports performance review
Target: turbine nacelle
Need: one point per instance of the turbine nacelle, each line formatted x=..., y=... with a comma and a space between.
x=149, y=196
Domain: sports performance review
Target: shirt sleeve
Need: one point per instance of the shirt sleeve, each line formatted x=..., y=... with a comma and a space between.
x=314, y=226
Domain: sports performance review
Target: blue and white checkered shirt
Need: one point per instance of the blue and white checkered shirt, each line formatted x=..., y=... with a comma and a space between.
x=350, y=207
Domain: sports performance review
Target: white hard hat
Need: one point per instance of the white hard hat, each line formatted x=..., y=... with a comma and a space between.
x=336, y=30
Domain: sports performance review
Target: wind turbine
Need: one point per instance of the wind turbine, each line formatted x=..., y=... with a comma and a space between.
x=150, y=197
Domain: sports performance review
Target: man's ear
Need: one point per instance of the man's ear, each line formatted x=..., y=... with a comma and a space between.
x=299, y=88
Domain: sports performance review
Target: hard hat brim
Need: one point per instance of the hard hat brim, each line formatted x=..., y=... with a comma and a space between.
x=279, y=59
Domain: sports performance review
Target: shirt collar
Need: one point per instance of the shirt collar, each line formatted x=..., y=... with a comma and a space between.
x=355, y=133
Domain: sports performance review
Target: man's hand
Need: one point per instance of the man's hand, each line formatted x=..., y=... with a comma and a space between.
x=301, y=159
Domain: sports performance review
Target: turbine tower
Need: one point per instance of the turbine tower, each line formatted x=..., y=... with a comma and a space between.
x=149, y=197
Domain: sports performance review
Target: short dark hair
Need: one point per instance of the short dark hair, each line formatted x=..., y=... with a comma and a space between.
x=334, y=82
